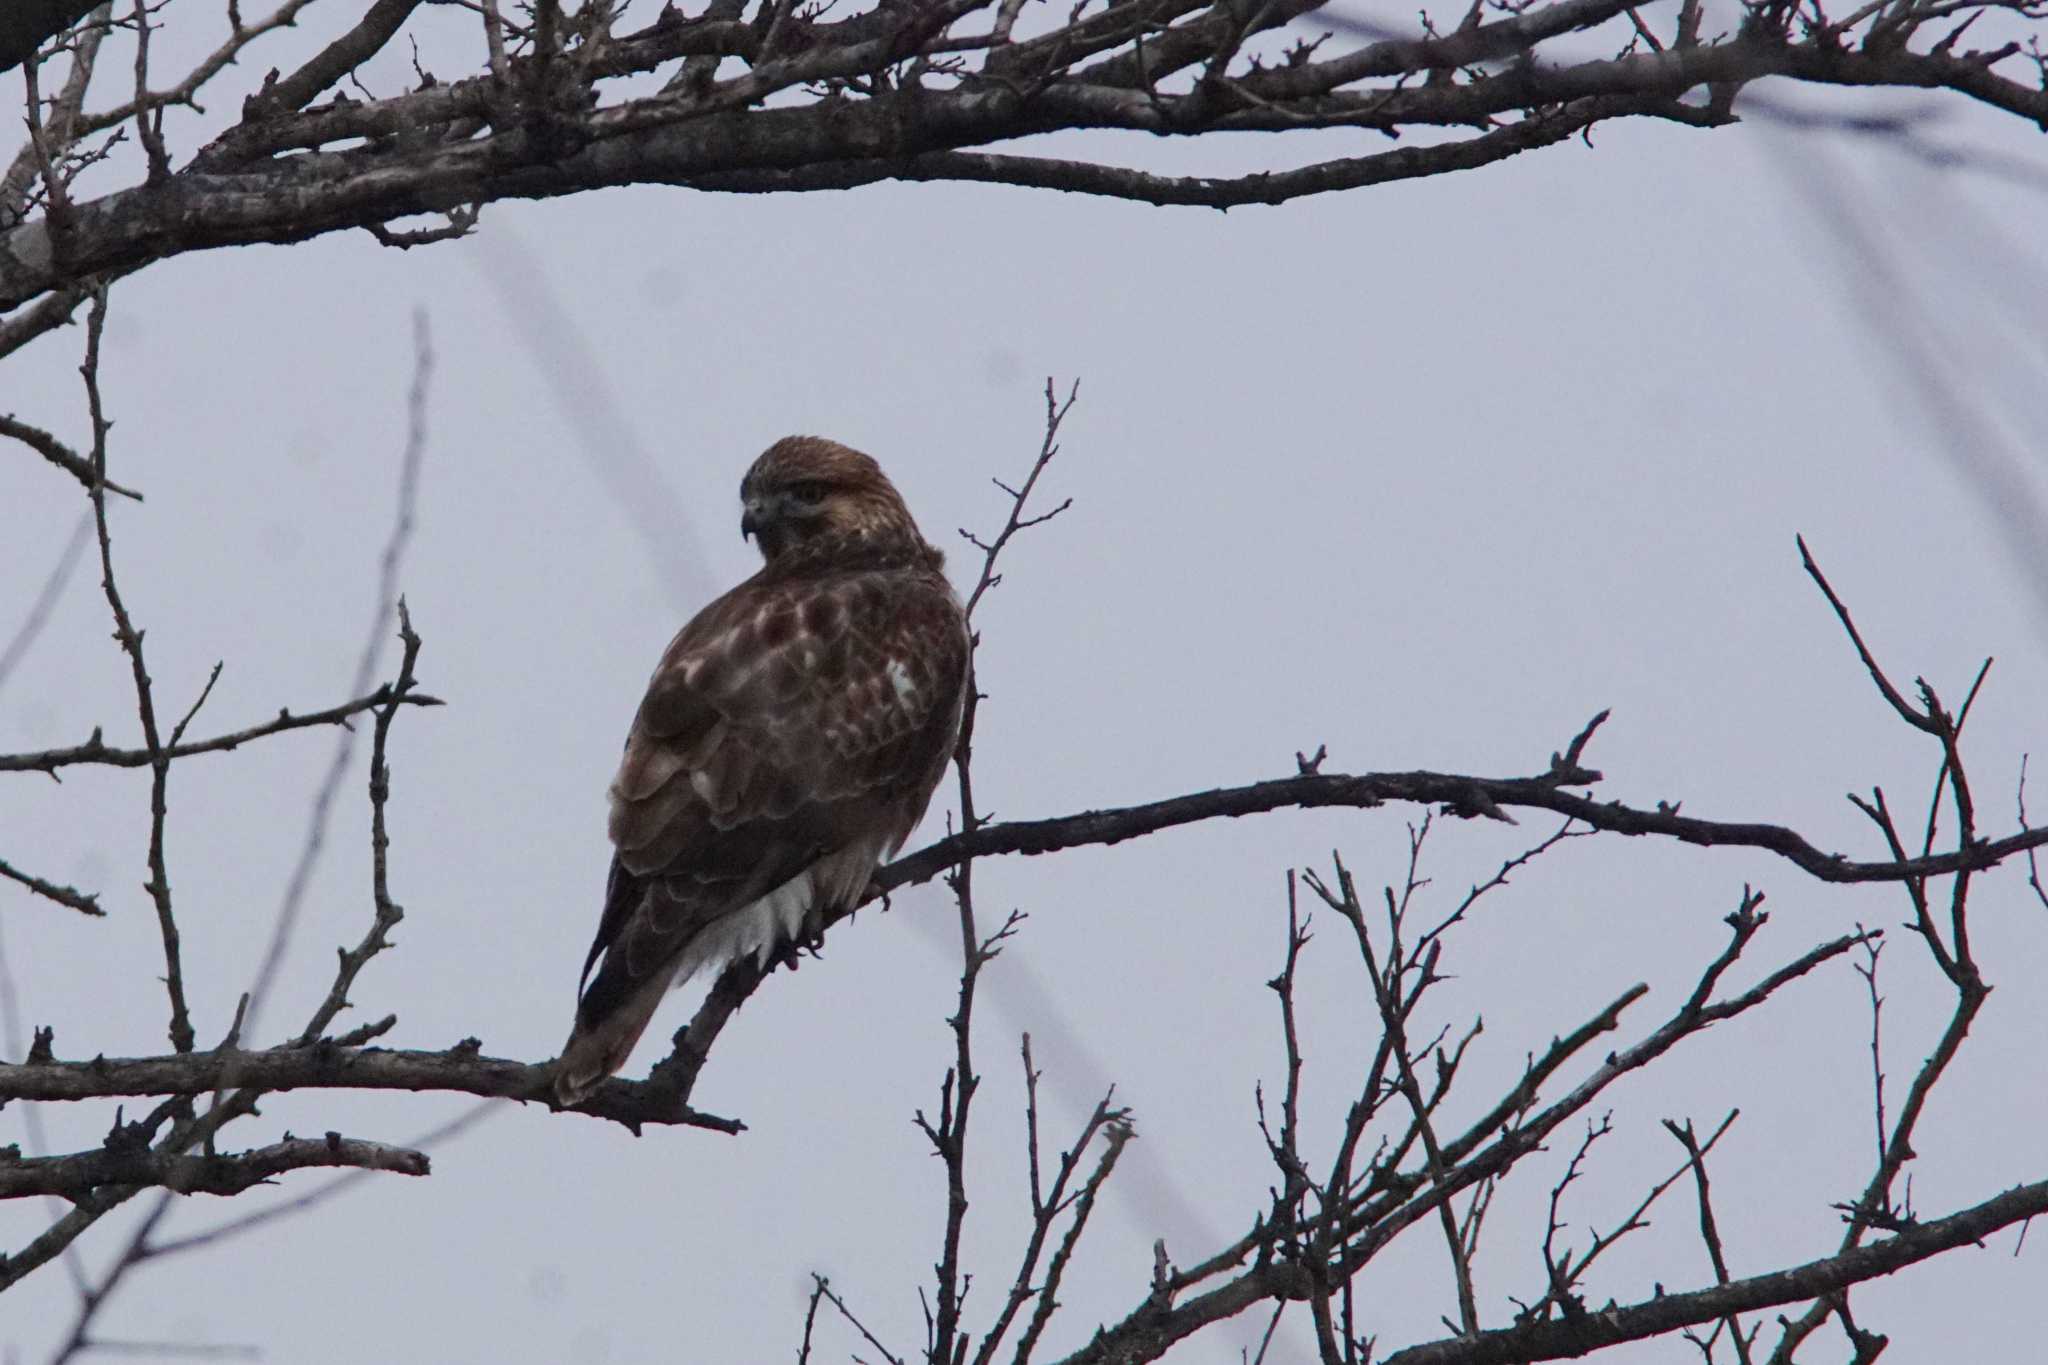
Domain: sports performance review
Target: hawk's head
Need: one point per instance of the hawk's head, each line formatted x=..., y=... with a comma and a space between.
x=806, y=490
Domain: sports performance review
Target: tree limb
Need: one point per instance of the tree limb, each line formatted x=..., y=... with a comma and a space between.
x=225, y=1173
x=1575, y=1337
x=328, y=1066
x=97, y=751
x=1466, y=795
x=84, y=902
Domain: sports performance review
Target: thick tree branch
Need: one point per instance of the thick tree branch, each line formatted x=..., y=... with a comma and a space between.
x=462, y=1069
x=1465, y=795
x=1228, y=192
x=78, y=1175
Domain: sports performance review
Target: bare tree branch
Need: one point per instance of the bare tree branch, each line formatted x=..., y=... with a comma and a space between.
x=823, y=1287
x=159, y=884
x=78, y=1175
x=332, y=1066
x=58, y=454
x=1567, y=1338
x=1464, y=795
x=85, y=902
x=1710, y=1232
x=380, y=23
x=96, y=751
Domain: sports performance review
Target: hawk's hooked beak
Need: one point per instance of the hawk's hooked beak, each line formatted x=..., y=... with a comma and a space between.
x=752, y=518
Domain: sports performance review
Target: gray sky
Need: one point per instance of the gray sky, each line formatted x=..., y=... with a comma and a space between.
x=1428, y=473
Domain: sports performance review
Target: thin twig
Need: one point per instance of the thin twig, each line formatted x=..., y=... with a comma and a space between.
x=824, y=1286
x=2033, y=869
x=803, y=1353
x=159, y=884
x=1055, y=413
x=1696, y=1154
x=1117, y=1131
x=1867, y=969
x=96, y=752
x=84, y=902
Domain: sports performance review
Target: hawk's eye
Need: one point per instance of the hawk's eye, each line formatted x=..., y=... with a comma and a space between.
x=810, y=490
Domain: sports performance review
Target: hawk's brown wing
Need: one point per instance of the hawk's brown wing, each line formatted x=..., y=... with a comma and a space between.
x=790, y=721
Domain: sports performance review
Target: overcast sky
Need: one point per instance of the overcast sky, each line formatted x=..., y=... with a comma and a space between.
x=1428, y=473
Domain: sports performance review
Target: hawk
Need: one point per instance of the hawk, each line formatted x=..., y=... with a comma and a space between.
x=789, y=741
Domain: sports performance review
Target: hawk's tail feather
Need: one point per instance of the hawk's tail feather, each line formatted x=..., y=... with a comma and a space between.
x=597, y=1048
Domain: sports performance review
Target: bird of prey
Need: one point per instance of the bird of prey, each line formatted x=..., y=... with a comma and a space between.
x=790, y=740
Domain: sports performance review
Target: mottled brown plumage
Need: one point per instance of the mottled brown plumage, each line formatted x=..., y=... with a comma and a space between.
x=790, y=739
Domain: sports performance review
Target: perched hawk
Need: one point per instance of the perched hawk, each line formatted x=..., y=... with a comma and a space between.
x=789, y=741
